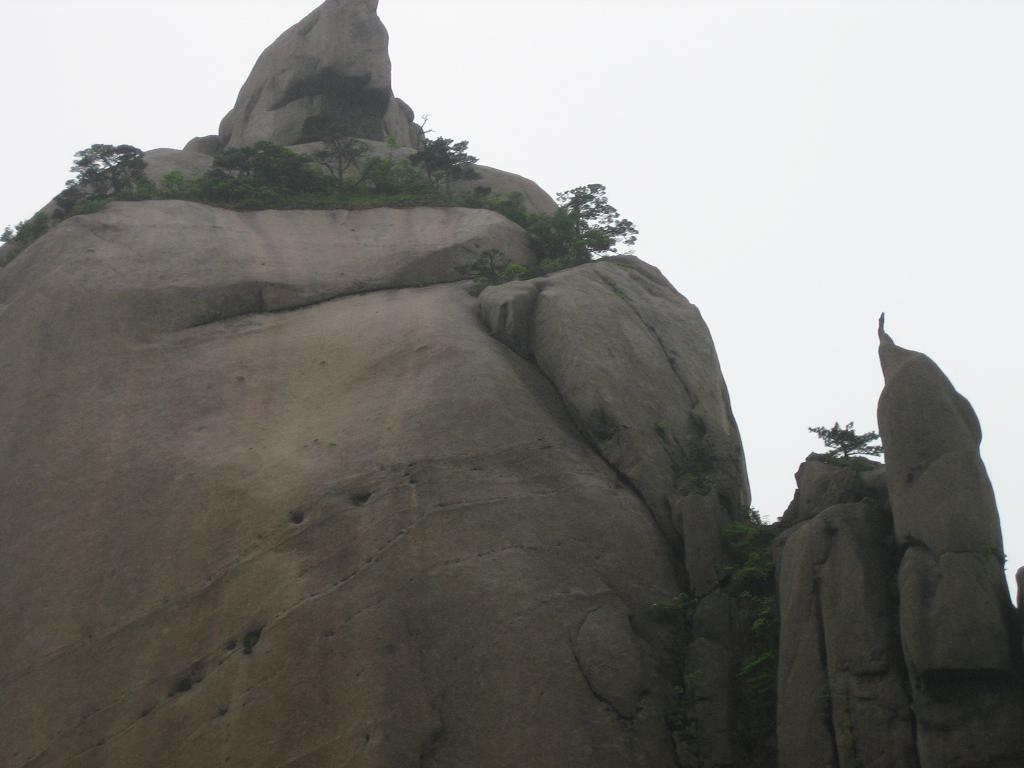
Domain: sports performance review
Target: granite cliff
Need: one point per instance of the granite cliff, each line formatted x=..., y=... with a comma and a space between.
x=898, y=642
x=277, y=488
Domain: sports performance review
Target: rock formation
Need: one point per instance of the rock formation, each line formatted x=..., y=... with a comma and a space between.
x=842, y=697
x=670, y=435
x=898, y=645
x=273, y=495
x=332, y=68
x=279, y=489
x=263, y=502
x=956, y=619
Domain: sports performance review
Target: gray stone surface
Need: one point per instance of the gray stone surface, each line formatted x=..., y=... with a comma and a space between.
x=332, y=66
x=671, y=431
x=945, y=511
x=821, y=485
x=205, y=145
x=843, y=696
x=1020, y=603
x=956, y=622
x=535, y=199
x=160, y=162
x=945, y=623
x=710, y=688
x=507, y=311
x=223, y=263
x=607, y=653
x=805, y=738
x=214, y=443
x=667, y=430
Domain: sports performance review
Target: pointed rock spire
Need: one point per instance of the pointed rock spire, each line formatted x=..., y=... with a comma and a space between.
x=955, y=616
x=330, y=69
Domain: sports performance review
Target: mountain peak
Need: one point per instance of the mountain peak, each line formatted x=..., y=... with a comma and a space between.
x=330, y=70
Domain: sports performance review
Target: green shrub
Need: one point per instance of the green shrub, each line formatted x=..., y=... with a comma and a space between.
x=493, y=267
x=267, y=175
x=749, y=547
x=19, y=237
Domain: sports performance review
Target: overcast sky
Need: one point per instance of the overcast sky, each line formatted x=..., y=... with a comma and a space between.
x=794, y=168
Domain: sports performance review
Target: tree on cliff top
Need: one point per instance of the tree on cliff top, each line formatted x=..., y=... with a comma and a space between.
x=843, y=443
x=445, y=161
x=101, y=171
x=585, y=226
x=106, y=169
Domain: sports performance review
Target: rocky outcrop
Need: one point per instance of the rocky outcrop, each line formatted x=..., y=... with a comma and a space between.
x=671, y=433
x=261, y=502
x=843, y=698
x=956, y=619
x=189, y=163
x=229, y=264
x=277, y=489
x=535, y=199
x=668, y=432
x=1020, y=603
x=330, y=69
x=820, y=485
x=892, y=599
x=205, y=145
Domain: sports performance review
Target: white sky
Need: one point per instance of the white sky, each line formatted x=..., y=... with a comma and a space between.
x=794, y=167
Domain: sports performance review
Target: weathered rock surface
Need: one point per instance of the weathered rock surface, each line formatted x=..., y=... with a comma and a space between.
x=535, y=199
x=1020, y=603
x=259, y=502
x=330, y=68
x=668, y=431
x=672, y=436
x=192, y=264
x=821, y=485
x=205, y=145
x=160, y=162
x=842, y=697
x=956, y=619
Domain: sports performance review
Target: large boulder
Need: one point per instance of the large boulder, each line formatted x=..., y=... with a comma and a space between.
x=842, y=695
x=667, y=430
x=956, y=620
x=193, y=264
x=821, y=484
x=260, y=503
x=332, y=68
x=189, y=163
x=204, y=145
x=670, y=431
x=1020, y=603
x=535, y=199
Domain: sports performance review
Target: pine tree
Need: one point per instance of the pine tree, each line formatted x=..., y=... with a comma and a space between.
x=843, y=443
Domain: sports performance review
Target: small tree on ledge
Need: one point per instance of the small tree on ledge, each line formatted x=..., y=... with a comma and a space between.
x=445, y=161
x=843, y=443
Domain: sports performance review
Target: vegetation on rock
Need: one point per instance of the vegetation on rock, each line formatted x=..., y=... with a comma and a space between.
x=844, y=444
x=444, y=162
x=102, y=171
x=749, y=545
x=343, y=174
x=494, y=267
x=584, y=227
x=17, y=238
x=751, y=581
